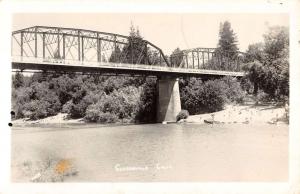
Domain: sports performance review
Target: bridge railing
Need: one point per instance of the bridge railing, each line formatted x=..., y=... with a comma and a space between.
x=109, y=65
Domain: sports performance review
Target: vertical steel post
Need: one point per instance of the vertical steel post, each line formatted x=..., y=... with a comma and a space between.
x=79, y=46
x=146, y=54
x=193, y=58
x=115, y=42
x=100, y=56
x=186, y=59
x=208, y=55
x=82, y=48
x=44, y=51
x=198, y=59
x=97, y=44
x=159, y=58
x=22, y=37
x=35, y=42
x=203, y=60
x=58, y=45
x=64, y=46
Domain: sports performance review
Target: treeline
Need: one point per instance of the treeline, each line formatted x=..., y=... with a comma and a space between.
x=267, y=65
x=112, y=99
x=94, y=98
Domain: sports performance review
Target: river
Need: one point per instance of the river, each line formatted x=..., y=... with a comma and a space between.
x=156, y=152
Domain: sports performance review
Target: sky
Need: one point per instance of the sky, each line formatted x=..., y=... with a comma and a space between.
x=167, y=31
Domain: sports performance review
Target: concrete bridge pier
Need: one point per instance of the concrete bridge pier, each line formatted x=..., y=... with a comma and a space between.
x=168, y=99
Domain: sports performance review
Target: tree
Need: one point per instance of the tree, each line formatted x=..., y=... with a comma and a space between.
x=153, y=57
x=276, y=40
x=227, y=44
x=176, y=57
x=135, y=50
x=43, y=102
x=18, y=80
x=255, y=52
x=115, y=55
x=226, y=52
x=269, y=65
x=147, y=105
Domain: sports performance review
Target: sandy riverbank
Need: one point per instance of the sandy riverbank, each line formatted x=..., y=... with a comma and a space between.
x=60, y=118
x=231, y=114
x=244, y=114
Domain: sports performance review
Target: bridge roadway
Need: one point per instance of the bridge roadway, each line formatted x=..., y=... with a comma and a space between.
x=32, y=63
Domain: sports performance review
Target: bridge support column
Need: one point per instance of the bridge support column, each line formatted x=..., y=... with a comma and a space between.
x=168, y=99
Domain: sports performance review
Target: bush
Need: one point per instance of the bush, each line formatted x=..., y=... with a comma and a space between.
x=78, y=110
x=128, y=101
x=105, y=117
x=263, y=97
x=36, y=109
x=183, y=114
x=35, y=102
x=94, y=113
x=198, y=97
x=246, y=84
x=214, y=96
x=123, y=104
x=233, y=90
x=147, y=102
x=20, y=97
x=191, y=95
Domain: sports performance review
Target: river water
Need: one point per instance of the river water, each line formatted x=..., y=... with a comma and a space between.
x=156, y=152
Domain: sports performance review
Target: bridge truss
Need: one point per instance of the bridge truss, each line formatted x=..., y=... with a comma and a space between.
x=52, y=48
x=207, y=58
x=69, y=44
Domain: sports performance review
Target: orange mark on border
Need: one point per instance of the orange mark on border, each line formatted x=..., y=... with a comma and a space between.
x=62, y=166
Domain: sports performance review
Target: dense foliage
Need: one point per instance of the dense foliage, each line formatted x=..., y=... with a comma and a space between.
x=202, y=97
x=268, y=64
x=94, y=98
x=112, y=99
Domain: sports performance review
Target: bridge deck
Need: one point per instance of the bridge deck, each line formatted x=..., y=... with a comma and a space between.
x=26, y=63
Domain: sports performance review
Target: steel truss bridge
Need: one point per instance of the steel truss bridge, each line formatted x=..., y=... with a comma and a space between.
x=78, y=50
